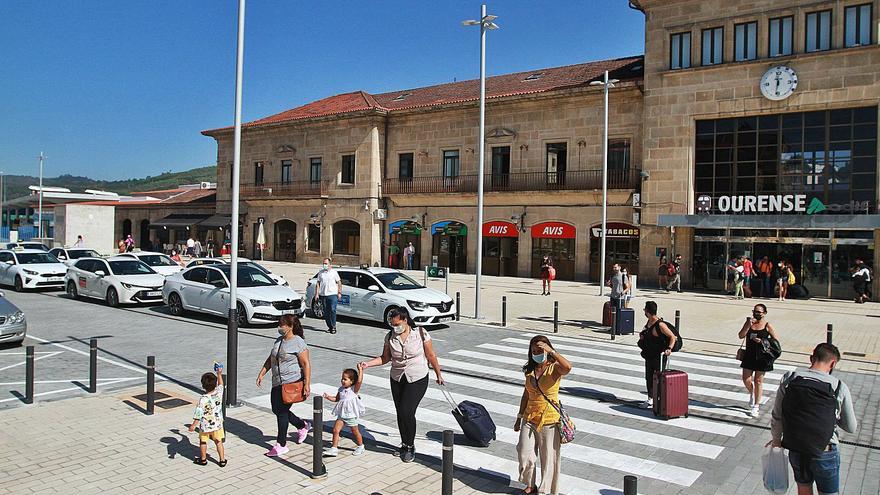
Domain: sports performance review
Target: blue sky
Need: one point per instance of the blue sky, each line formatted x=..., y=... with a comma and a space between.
x=119, y=89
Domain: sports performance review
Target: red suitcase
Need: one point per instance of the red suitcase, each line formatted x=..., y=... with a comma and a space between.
x=670, y=392
x=606, y=314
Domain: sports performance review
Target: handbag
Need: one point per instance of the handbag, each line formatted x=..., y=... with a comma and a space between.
x=291, y=393
x=566, y=425
x=741, y=352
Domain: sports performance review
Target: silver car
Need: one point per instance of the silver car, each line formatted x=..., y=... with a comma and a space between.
x=13, y=325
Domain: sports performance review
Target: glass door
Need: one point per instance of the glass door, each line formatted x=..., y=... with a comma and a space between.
x=709, y=265
x=814, y=270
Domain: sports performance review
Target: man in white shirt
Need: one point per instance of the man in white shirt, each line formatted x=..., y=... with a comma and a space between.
x=329, y=289
x=79, y=241
x=190, y=246
x=409, y=253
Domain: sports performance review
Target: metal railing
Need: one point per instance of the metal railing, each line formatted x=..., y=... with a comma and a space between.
x=571, y=180
x=294, y=189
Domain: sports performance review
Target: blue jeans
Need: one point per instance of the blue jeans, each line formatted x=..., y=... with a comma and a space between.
x=330, y=310
x=824, y=470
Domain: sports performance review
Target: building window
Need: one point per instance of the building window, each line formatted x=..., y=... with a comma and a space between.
x=500, y=166
x=746, y=41
x=781, y=36
x=313, y=238
x=258, y=173
x=286, y=171
x=557, y=162
x=858, y=25
x=713, y=46
x=405, y=161
x=347, y=238
x=819, y=31
x=347, y=169
x=451, y=164
x=680, y=51
x=315, y=170
x=619, y=154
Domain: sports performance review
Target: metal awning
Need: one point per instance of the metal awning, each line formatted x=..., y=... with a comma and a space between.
x=216, y=221
x=178, y=220
x=850, y=222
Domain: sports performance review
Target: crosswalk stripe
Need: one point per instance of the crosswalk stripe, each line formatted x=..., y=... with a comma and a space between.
x=692, y=377
x=622, y=394
x=601, y=375
x=581, y=453
x=679, y=363
x=629, y=413
x=630, y=435
x=680, y=354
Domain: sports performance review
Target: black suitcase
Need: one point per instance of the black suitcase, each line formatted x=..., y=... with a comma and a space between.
x=627, y=323
x=473, y=418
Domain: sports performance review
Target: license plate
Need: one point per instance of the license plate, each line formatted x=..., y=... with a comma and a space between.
x=288, y=312
x=446, y=318
x=155, y=293
x=56, y=279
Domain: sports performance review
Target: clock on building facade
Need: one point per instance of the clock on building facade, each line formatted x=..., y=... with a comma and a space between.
x=779, y=82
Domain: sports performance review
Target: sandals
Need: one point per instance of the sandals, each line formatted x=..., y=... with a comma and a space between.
x=200, y=461
x=222, y=463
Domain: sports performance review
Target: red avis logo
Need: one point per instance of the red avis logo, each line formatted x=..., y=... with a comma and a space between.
x=498, y=229
x=553, y=231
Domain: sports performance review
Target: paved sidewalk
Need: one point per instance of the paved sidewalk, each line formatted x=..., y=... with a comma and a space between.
x=710, y=321
x=102, y=444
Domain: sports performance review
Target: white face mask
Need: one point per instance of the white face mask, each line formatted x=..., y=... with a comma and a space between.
x=398, y=329
x=326, y=266
x=282, y=331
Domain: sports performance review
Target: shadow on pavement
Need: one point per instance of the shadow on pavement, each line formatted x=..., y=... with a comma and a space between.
x=179, y=446
x=255, y=436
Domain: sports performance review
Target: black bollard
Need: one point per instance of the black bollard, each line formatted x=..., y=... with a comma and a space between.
x=503, y=311
x=29, y=375
x=458, y=306
x=151, y=383
x=318, y=468
x=829, y=334
x=613, y=323
x=555, y=316
x=93, y=366
x=678, y=320
x=630, y=485
x=448, y=437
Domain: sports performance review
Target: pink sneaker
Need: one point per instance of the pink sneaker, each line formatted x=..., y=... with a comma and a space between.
x=277, y=450
x=303, y=432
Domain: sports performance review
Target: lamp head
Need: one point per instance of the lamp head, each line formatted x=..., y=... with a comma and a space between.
x=470, y=22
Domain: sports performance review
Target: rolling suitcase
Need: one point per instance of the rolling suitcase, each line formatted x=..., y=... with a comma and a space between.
x=627, y=323
x=473, y=418
x=670, y=392
x=606, y=314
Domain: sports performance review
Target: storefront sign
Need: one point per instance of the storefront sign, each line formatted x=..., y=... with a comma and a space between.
x=778, y=203
x=553, y=230
x=449, y=228
x=405, y=227
x=616, y=230
x=500, y=229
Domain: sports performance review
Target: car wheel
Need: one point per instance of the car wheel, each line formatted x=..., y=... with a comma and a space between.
x=242, y=315
x=317, y=309
x=388, y=316
x=112, y=297
x=175, y=305
x=71, y=290
x=18, y=285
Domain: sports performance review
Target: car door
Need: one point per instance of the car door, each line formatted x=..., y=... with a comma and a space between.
x=195, y=282
x=97, y=284
x=371, y=303
x=349, y=286
x=80, y=273
x=6, y=268
x=215, y=298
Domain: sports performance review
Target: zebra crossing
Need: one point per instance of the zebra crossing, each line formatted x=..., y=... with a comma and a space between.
x=614, y=438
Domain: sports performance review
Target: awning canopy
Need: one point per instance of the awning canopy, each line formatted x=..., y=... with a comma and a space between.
x=178, y=220
x=216, y=221
x=771, y=221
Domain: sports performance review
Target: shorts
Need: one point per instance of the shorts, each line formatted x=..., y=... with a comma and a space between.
x=352, y=422
x=824, y=470
x=216, y=435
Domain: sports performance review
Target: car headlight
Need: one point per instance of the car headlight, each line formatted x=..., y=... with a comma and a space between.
x=417, y=305
x=256, y=303
x=17, y=317
x=127, y=286
x=285, y=284
x=29, y=272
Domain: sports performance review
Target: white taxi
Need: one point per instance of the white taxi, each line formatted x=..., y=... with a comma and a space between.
x=161, y=263
x=68, y=256
x=31, y=269
x=117, y=280
x=241, y=262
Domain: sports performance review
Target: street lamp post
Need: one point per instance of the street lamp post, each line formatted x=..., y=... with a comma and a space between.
x=2, y=206
x=40, y=204
x=232, y=324
x=485, y=24
x=606, y=84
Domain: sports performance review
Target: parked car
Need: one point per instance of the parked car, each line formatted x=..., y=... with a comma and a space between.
x=13, y=324
x=242, y=262
x=205, y=289
x=117, y=280
x=27, y=245
x=161, y=263
x=31, y=269
x=372, y=293
x=69, y=255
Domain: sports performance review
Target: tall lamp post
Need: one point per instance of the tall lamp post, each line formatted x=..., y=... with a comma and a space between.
x=232, y=324
x=485, y=24
x=2, y=206
x=40, y=204
x=607, y=84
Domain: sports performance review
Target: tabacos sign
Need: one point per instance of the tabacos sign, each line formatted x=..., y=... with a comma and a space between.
x=616, y=230
x=777, y=203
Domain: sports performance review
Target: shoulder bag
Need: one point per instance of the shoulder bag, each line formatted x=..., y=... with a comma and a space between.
x=741, y=352
x=566, y=425
x=291, y=393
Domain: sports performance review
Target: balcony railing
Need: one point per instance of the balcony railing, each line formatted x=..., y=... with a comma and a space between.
x=296, y=189
x=572, y=180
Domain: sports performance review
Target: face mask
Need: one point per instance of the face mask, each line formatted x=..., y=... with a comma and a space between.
x=398, y=329
x=539, y=358
x=282, y=332
x=326, y=266
x=757, y=315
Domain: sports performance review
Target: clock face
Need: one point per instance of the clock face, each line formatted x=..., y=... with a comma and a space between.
x=779, y=83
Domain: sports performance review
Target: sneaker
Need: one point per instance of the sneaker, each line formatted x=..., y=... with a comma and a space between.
x=751, y=401
x=755, y=411
x=648, y=404
x=331, y=452
x=408, y=455
x=277, y=450
x=359, y=450
x=397, y=452
x=333, y=330
x=303, y=432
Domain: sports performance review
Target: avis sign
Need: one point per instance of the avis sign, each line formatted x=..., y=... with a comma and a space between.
x=553, y=230
x=777, y=203
x=500, y=229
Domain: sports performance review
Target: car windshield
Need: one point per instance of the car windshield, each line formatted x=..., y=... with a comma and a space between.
x=36, y=258
x=157, y=260
x=249, y=276
x=82, y=253
x=34, y=246
x=255, y=266
x=397, y=281
x=130, y=267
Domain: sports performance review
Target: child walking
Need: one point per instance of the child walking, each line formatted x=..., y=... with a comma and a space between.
x=209, y=416
x=348, y=410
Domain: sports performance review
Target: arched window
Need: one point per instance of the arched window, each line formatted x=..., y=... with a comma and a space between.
x=285, y=240
x=347, y=238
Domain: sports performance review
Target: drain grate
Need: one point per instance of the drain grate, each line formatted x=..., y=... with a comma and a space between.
x=157, y=396
x=172, y=403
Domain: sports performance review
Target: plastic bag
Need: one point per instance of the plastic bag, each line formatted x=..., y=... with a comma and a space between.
x=776, y=469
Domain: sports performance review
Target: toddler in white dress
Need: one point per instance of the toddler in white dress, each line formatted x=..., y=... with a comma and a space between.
x=348, y=410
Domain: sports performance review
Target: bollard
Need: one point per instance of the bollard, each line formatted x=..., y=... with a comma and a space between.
x=829, y=334
x=503, y=311
x=458, y=306
x=318, y=468
x=29, y=376
x=555, y=316
x=93, y=366
x=678, y=320
x=613, y=324
x=447, y=280
x=448, y=437
x=151, y=383
x=630, y=485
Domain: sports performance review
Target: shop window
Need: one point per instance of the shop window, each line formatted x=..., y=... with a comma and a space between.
x=857, y=28
x=347, y=238
x=347, y=169
x=315, y=170
x=405, y=166
x=781, y=36
x=746, y=41
x=818, y=31
x=314, y=238
x=713, y=46
x=259, y=167
x=451, y=164
x=680, y=51
x=286, y=171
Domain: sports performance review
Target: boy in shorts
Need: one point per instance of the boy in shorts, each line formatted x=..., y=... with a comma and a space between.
x=208, y=416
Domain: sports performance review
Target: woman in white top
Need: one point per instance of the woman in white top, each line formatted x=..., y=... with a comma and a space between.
x=409, y=349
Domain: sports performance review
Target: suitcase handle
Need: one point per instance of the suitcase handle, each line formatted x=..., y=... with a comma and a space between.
x=663, y=368
x=448, y=396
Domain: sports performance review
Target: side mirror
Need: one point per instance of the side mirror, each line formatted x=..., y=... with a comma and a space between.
x=60, y=257
x=373, y=288
x=219, y=284
x=10, y=262
x=100, y=273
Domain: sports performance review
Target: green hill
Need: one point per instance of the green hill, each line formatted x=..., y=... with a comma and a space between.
x=17, y=185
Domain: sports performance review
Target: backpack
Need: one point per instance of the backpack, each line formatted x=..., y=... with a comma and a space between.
x=791, y=279
x=809, y=414
x=670, y=269
x=737, y=276
x=678, y=342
